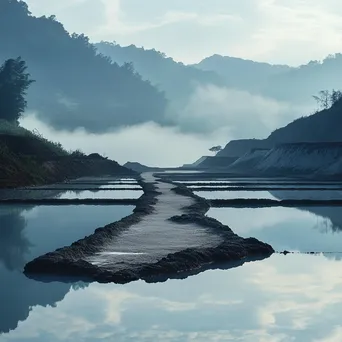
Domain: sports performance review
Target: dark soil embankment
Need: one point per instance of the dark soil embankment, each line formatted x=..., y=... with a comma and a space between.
x=71, y=261
x=26, y=160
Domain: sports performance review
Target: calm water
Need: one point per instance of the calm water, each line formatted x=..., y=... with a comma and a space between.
x=284, y=298
x=273, y=194
x=101, y=194
x=292, y=298
x=76, y=192
x=120, y=186
x=317, y=229
x=270, y=186
x=224, y=194
x=27, y=232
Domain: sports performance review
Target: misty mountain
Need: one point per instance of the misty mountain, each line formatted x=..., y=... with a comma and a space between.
x=177, y=80
x=242, y=74
x=302, y=82
x=279, y=82
x=321, y=127
x=75, y=86
x=205, y=101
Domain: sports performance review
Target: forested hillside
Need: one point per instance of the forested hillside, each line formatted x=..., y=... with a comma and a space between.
x=242, y=74
x=176, y=79
x=75, y=87
x=322, y=127
x=306, y=80
x=280, y=82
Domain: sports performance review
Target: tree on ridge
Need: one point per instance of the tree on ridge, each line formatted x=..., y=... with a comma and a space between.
x=14, y=82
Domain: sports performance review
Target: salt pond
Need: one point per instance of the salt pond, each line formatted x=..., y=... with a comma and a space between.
x=273, y=194
x=27, y=232
x=224, y=194
x=283, y=298
x=317, y=229
x=101, y=194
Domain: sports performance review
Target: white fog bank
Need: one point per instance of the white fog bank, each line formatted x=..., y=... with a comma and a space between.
x=149, y=143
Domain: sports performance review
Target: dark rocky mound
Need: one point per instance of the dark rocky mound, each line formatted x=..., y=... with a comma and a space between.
x=70, y=261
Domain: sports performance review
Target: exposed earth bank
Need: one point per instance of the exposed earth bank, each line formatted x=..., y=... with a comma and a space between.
x=168, y=234
x=313, y=160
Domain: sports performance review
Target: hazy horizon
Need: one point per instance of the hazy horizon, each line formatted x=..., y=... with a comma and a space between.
x=273, y=31
x=201, y=110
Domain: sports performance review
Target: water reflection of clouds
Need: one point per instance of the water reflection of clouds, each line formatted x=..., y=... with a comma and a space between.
x=292, y=229
x=292, y=298
x=101, y=194
x=27, y=232
x=246, y=220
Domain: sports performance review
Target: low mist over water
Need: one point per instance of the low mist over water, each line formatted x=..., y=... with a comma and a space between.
x=149, y=143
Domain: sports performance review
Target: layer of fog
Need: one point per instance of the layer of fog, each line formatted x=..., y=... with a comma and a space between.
x=149, y=143
x=212, y=116
x=244, y=115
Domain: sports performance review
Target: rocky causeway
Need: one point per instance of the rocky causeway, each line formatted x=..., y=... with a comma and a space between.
x=167, y=234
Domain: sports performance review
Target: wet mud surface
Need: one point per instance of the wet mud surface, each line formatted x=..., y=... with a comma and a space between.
x=167, y=234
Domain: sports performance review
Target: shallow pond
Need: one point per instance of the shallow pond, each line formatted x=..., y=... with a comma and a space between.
x=311, y=229
x=272, y=194
x=296, y=186
x=27, y=232
x=100, y=194
x=120, y=186
x=224, y=194
x=283, y=298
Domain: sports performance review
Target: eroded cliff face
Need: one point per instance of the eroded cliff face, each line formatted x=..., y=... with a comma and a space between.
x=238, y=148
x=316, y=159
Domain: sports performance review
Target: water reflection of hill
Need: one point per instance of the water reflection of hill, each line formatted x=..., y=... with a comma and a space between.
x=19, y=294
x=333, y=214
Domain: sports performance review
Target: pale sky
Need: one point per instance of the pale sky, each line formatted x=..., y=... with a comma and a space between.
x=277, y=31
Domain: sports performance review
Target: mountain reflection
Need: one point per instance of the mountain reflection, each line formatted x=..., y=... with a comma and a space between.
x=333, y=215
x=14, y=245
x=19, y=294
x=29, y=231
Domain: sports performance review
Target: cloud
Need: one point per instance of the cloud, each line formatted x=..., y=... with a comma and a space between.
x=149, y=143
x=77, y=15
x=278, y=31
x=236, y=113
x=212, y=116
x=335, y=336
x=292, y=298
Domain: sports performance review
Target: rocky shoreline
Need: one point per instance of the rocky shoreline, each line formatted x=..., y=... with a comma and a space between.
x=71, y=261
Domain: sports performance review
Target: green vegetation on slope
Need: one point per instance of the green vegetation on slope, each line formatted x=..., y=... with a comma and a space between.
x=14, y=82
x=322, y=127
x=240, y=73
x=176, y=79
x=27, y=159
x=75, y=86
